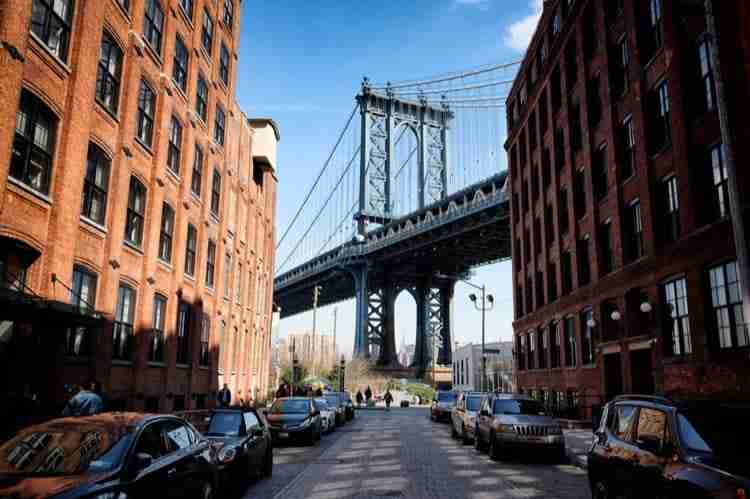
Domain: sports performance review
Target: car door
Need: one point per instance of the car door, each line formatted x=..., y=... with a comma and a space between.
x=255, y=445
x=455, y=413
x=183, y=455
x=654, y=441
x=484, y=419
x=158, y=476
x=615, y=450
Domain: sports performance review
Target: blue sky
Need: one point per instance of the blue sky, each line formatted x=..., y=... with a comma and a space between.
x=301, y=63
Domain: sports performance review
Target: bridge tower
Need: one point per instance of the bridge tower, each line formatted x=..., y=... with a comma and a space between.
x=382, y=114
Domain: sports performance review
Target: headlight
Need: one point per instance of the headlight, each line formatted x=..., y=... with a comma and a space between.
x=554, y=430
x=506, y=428
x=227, y=454
x=305, y=423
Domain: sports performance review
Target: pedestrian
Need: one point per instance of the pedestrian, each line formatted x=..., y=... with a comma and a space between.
x=319, y=392
x=368, y=395
x=359, y=397
x=388, y=399
x=282, y=391
x=84, y=402
x=225, y=396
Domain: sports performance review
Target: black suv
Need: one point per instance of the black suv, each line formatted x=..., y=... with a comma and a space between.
x=649, y=446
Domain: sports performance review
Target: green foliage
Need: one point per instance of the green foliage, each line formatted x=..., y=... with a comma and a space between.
x=423, y=391
x=286, y=374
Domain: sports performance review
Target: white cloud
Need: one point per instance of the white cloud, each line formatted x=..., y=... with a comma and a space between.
x=482, y=4
x=519, y=34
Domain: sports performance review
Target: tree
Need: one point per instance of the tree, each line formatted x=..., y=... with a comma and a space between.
x=286, y=374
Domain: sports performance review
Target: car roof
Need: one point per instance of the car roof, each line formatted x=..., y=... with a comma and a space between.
x=233, y=408
x=295, y=398
x=511, y=396
x=108, y=420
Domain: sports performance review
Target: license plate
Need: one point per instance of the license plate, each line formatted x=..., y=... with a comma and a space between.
x=283, y=435
x=539, y=440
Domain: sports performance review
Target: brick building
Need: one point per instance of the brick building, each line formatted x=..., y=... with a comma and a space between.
x=623, y=260
x=137, y=205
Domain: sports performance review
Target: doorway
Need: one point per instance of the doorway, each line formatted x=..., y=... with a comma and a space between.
x=642, y=372
x=612, y=375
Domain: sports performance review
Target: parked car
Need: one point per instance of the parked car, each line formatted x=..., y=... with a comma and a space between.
x=348, y=405
x=442, y=405
x=109, y=455
x=648, y=446
x=294, y=418
x=327, y=414
x=464, y=415
x=243, y=444
x=509, y=422
x=337, y=403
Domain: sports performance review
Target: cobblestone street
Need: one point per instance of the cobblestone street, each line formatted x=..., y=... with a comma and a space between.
x=403, y=454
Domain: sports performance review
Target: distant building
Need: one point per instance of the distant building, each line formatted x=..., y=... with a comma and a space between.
x=321, y=354
x=467, y=366
x=406, y=355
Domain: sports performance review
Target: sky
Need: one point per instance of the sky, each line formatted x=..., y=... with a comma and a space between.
x=302, y=62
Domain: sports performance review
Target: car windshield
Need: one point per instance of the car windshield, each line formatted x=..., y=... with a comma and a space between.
x=472, y=403
x=65, y=449
x=290, y=406
x=322, y=404
x=716, y=430
x=446, y=397
x=224, y=424
x=332, y=399
x=519, y=407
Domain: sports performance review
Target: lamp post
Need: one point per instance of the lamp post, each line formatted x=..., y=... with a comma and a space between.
x=316, y=296
x=484, y=304
x=341, y=374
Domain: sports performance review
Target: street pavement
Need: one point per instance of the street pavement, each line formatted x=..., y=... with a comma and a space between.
x=402, y=454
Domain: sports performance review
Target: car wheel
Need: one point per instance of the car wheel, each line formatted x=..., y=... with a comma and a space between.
x=477, y=440
x=464, y=436
x=207, y=491
x=601, y=490
x=268, y=464
x=494, y=448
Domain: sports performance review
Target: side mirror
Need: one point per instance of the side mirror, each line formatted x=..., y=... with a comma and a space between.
x=141, y=461
x=316, y=412
x=257, y=432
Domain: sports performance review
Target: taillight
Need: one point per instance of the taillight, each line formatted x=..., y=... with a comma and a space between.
x=741, y=494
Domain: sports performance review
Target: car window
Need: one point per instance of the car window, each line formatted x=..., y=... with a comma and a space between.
x=620, y=421
x=290, y=406
x=690, y=436
x=225, y=424
x=446, y=396
x=472, y=403
x=177, y=436
x=525, y=407
x=251, y=421
x=151, y=442
x=652, y=426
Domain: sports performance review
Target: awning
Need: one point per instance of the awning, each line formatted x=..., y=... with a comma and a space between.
x=23, y=307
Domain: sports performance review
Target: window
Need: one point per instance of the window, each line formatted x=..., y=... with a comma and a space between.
x=539, y=289
x=599, y=173
x=156, y=346
x=525, y=195
x=258, y=174
x=627, y=140
x=108, y=74
x=589, y=25
x=197, y=178
x=516, y=209
x=83, y=297
x=726, y=298
x=588, y=351
x=238, y=289
x=33, y=143
x=556, y=24
x=552, y=281
x=532, y=350
x=125, y=4
x=576, y=131
x=224, y=64
x=146, y=111
x=566, y=268
x=521, y=352
x=579, y=193
x=620, y=76
x=594, y=102
x=721, y=181
x=707, y=74
x=621, y=424
x=190, y=250
x=606, y=264
x=95, y=185
x=207, y=35
x=153, y=24
x=183, y=333
x=204, y=359
x=543, y=114
x=216, y=192
x=560, y=148
x=228, y=13
x=166, y=232
x=227, y=276
x=658, y=118
x=556, y=90
x=538, y=236
x=135, y=212
x=569, y=336
x=201, y=99
x=652, y=427
x=655, y=34
x=534, y=183
x=522, y=147
x=634, y=227
x=543, y=347
x=671, y=203
x=571, y=64
x=210, y=263
x=527, y=245
x=50, y=22
x=519, y=301
x=123, y=327
x=180, y=64
x=174, y=151
x=187, y=7
x=532, y=130
x=554, y=337
x=219, y=124
x=549, y=225
x=564, y=212
x=674, y=297
x=546, y=168
x=529, y=295
x=584, y=263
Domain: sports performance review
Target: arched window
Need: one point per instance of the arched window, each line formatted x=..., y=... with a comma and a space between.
x=33, y=143
x=108, y=74
x=95, y=185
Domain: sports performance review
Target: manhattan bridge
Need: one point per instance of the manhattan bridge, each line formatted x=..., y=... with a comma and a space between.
x=411, y=198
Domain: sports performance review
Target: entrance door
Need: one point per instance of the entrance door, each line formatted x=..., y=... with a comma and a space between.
x=612, y=375
x=642, y=371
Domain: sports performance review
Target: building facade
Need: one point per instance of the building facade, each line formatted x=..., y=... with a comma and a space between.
x=467, y=367
x=623, y=259
x=137, y=206
x=317, y=351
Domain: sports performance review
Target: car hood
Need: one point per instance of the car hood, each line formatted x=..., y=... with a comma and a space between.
x=738, y=467
x=286, y=418
x=42, y=487
x=525, y=419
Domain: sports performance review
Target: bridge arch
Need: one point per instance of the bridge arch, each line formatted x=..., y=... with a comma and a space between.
x=405, y=169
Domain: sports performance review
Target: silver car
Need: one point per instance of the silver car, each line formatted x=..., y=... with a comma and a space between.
x=464, y=415
x=507, y=422
x=327, y=414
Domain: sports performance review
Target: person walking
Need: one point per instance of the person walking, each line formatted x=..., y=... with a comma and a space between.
x=225, y=396
x=359, y=397
x=282, y=391
x=388, y=399
x=368, y=395
x=84, y=402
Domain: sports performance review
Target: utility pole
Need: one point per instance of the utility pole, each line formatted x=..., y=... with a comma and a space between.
x=316, y=296
x=335, y=350
x=483, y=308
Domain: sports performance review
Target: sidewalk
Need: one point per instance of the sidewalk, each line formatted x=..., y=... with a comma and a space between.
x=577, y=445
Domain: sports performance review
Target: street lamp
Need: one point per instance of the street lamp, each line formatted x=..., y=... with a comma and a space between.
x=484, y=304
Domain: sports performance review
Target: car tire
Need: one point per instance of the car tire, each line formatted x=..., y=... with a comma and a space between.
x=494, y=448
x=207, y=491
x=477, y=440
x=268, y=464
x=464, y=436
x=600, y=490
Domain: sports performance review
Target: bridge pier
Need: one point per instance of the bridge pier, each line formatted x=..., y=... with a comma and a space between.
x=362, y=301
x=434, y=324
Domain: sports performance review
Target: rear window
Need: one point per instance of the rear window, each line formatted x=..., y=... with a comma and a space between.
x=70, y=449
x=518, y=407
x=472, y=403
x=224, y=424
x=290, y=407
x=446, y=397
x=332, y=399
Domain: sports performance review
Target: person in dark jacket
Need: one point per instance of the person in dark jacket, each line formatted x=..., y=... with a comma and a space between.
x=388, y=399
x=225, y=396
x=359, y=397
x=368, y=394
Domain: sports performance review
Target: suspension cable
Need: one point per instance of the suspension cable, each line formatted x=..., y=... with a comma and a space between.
x=454, y=76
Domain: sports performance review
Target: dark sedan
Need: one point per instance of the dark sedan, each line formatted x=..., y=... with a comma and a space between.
x=348, y=405
x=243, y=443
x=443, y=405
x=115, y=455
x=294, y=418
